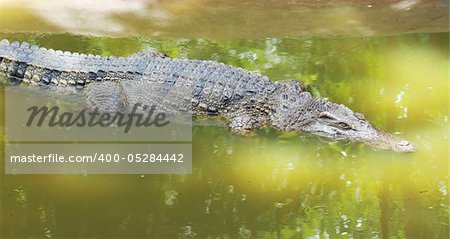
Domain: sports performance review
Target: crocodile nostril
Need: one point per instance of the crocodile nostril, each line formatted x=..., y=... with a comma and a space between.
x=403, y=143
x=405, y=146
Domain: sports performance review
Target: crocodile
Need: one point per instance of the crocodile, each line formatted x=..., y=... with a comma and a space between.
x=247, y=100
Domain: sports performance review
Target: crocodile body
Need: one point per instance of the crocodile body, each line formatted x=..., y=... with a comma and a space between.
x=248, y=100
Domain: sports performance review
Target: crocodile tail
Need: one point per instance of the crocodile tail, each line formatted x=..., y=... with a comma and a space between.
x=25, y=63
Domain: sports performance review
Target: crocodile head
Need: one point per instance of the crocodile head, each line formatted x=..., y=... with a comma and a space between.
x=338, y=122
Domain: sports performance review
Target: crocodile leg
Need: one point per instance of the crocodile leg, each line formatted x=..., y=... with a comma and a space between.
x=244, y=122
x=106, y=97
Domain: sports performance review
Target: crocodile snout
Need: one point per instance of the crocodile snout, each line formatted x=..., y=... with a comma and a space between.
x=404, y=146
x=383, y=140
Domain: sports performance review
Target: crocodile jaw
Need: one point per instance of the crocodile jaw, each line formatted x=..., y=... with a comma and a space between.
x=379, y=139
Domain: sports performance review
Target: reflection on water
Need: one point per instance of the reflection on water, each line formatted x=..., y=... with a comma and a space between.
x=274, y=185
x=220, y=18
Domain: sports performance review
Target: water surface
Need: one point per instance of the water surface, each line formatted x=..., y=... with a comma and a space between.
x=226, y=18
x=273, y=185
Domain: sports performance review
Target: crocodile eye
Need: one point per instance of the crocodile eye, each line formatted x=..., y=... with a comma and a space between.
x=344, y=125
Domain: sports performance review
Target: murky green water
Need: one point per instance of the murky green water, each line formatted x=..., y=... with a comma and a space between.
x=225, y=18
x=272, y=185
